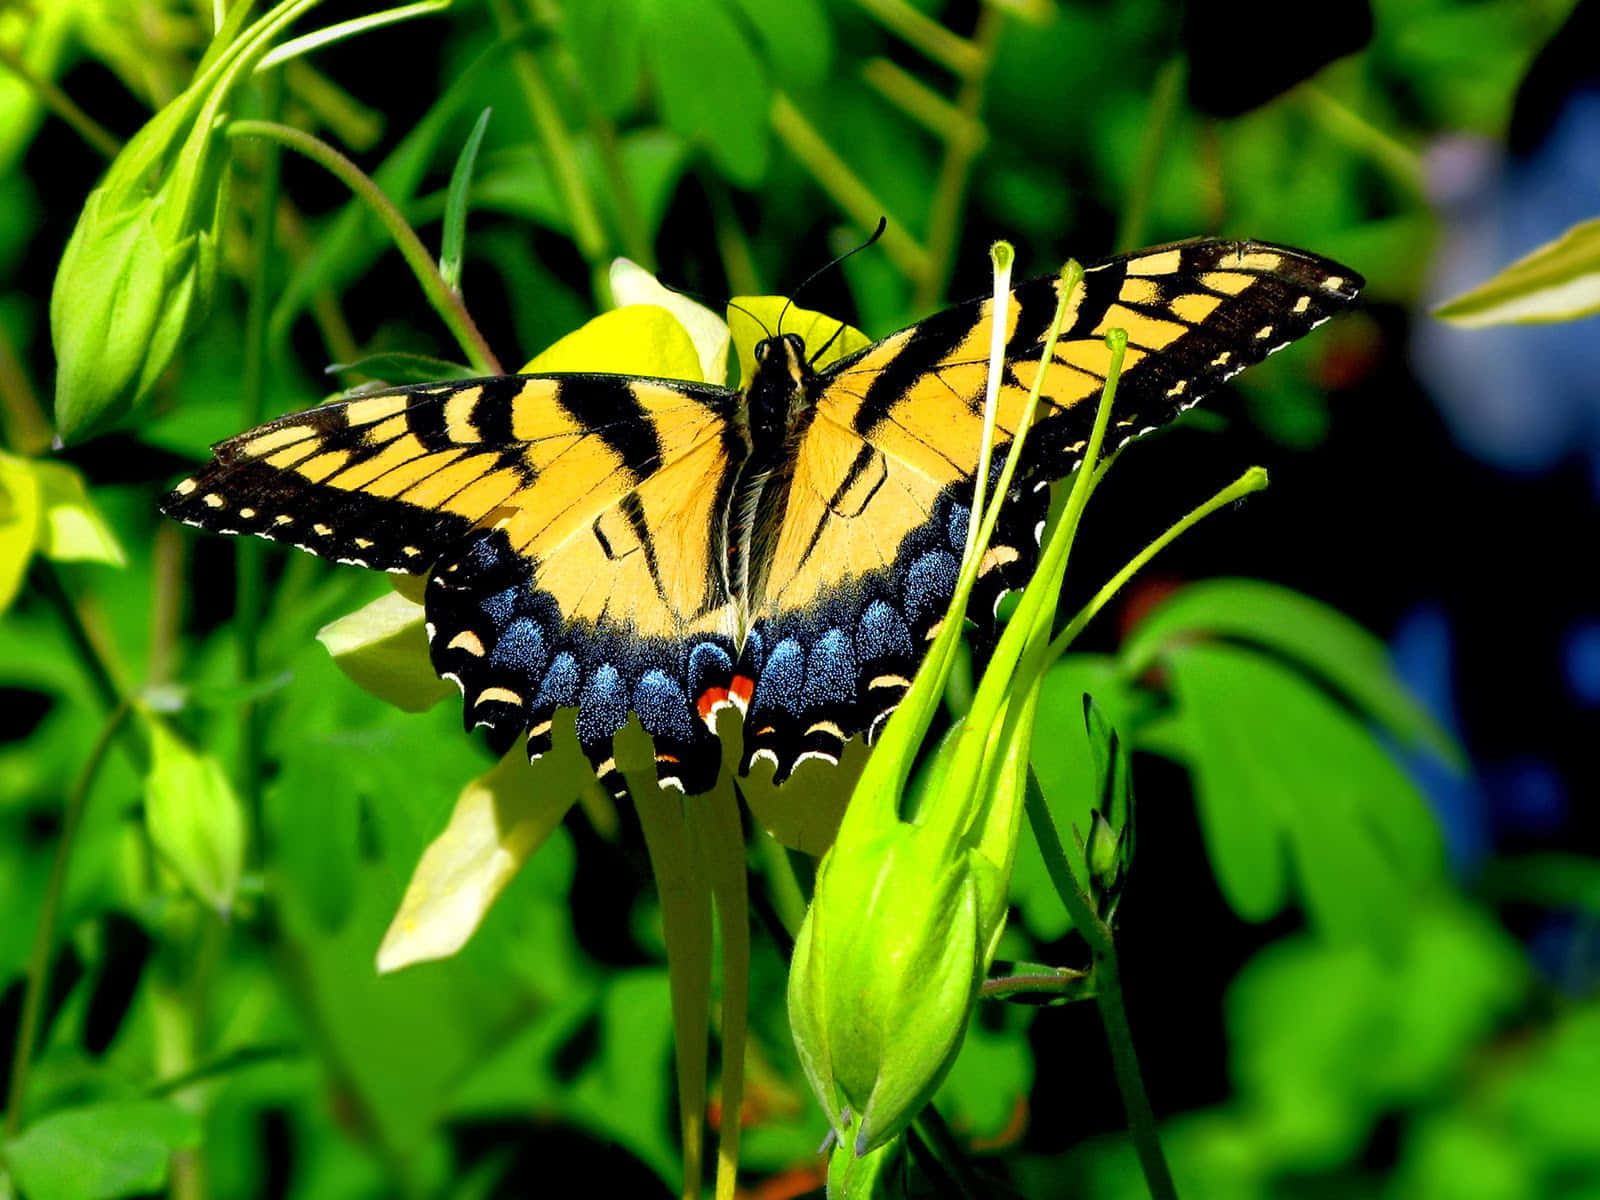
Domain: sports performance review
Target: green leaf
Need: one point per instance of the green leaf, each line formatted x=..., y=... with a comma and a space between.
x=711, y=85
x=73, y=530
x=607, y=39
x=796, y=37
x=1560, y=281
x=195, y=820
x=116, y=1148
x=20, y=517
x=455, y=206
x=1322, y=641
x=1280, y=766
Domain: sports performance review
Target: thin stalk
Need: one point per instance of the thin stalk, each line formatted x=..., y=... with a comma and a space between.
x=921, y=103
x=1108, y=995
x=561, y=157
x=962, y=143
x=733, y=247
x=249, y=563
x=48, y=580
x=60, y=103
x=1163, y=103
x=846, y=188
x=1252, y=480
x=445, y=302
x=915, y=27
x=44, y=935
x=788, y=899
x=1355, y=131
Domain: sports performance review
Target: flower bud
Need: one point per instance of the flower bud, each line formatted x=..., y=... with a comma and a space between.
x=886, y=968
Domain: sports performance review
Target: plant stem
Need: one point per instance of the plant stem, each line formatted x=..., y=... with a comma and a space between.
x=60, y=103
x=915, y=27
x=963, y=140
x=49, y=913
x=1163, y=103
x=846, y=188
x=556, y=142
x=445, y=302
x=1252, y=480
x=1108, y=995
x=1341, y=121
x=249, y=566
x=48, y=581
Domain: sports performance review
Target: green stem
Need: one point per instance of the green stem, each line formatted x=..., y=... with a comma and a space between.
x=1108, y=995
x=847, y=189
x=1056, y=981
x=1252, y=480
x=915, y=27
x=1402, y=163
x=560, y=156
x=963, y=140
x=48, y=581
x=1163, y=103
x=445, y=302
x=44, y=936
x=249, y=563
x=60, y=103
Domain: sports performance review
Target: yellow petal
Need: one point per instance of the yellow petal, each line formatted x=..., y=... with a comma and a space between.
x=752, y=318
x=642, y=339
x=632, y=284
x=500, y=819
x=383, y=648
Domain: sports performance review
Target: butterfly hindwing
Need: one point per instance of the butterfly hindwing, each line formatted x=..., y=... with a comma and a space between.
x=865, y=562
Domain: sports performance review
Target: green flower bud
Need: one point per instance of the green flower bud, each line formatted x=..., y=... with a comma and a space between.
x=886, y=968
x=138, y=273
x=125, y=297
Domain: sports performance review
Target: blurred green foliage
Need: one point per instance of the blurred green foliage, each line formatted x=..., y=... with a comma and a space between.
x=204, y=1017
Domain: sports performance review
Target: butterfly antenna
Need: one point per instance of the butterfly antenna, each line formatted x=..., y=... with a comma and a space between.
x=883, y=223
x=752, y=316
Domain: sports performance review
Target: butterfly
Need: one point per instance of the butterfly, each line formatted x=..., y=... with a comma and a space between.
x=625, y=545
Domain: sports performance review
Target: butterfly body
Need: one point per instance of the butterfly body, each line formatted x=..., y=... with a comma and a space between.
x=622, y=545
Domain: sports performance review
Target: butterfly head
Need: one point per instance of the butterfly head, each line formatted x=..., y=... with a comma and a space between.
x=777, y=393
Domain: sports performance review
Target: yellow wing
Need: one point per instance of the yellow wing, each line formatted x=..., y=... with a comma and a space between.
x=573, y=526
x=864, y=561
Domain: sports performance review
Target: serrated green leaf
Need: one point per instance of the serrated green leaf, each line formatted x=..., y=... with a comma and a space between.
x=1281, y=769
x=73, y=530
x=710, y=84
x=383, y=648
x=117, y=1148
x=20, y=517
x=1560, y=281
x=1323, y=641
x=194, y=818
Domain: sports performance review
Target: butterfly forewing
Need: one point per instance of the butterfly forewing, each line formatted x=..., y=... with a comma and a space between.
x=867, y=555
x=572, y=525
